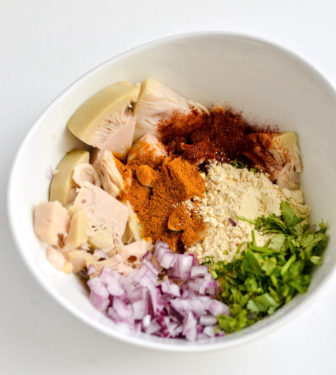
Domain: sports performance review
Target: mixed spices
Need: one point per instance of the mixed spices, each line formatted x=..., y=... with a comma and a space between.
x=185, y=222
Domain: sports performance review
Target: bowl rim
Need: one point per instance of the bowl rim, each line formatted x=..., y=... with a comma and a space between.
x=171, y=346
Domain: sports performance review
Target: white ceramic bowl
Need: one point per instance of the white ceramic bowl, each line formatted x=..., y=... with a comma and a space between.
x=267, y=83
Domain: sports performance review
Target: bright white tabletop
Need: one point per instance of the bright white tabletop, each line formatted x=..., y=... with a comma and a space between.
x=44, y=48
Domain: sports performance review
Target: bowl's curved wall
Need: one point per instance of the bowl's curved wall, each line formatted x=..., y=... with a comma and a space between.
x=268, y=84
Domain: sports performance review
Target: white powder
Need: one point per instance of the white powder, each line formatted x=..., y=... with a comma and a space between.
x=232, y=192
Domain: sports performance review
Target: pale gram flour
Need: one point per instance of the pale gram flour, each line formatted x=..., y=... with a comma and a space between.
x=232, y=192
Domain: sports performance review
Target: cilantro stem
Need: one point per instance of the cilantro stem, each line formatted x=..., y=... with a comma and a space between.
x=242, y=218
x=290, y=261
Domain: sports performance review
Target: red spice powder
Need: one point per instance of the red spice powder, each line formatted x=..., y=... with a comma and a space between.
x=219, y=135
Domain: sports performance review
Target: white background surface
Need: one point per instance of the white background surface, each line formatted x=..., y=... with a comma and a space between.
x=44, y=47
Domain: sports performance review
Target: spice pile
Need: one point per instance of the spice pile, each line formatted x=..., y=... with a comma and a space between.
x=185, y=222
x=157, y=192
x=203, y=137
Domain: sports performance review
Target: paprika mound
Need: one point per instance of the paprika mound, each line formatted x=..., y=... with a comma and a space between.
x=220, y=135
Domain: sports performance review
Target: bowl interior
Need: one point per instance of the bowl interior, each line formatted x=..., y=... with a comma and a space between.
x=266, y=83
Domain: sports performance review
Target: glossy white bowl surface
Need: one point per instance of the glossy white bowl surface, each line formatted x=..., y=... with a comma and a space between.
x=266, y=83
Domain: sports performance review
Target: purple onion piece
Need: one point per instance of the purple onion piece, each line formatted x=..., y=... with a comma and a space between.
x=232, y=221
x=197, y=271
x=182, y=267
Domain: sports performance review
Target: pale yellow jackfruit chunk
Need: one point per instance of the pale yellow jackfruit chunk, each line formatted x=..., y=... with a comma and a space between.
x=107, y=216
x=110, y=177
x=125, y=258
x=78, y=232
x=51, y=220
x=78, y=259
x=58, y=260
x=134, y=230
x=156, y=102
x=285, y=150
x=105, y=120
x=62, y=185
x=148, y=145
x=85, y=172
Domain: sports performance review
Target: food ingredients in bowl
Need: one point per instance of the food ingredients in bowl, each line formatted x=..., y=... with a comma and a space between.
x=186, y=222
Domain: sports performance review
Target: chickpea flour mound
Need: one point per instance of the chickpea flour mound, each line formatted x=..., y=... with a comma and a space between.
x=232, y=192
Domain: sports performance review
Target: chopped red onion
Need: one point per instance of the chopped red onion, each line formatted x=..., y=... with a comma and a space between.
x=153, y=327
x=136, y=293
x=141, y=302
x=147, y=255
x=209, y=331
x=173, y=328
x=156, y=302
x=190, y=327
x=232, y=222
x=219, y=334
x=164, y=256
x=99, y=294
x=140, y=309
x=195, y=261
x=167, y=259
x=112, y=281
x=216, y=308
x=123, y=310
x=208, y=320
x=115, y=289
x=182, y=267
x=170, y=288
x=146, y=321
x=189, y=305
x=199, y=271
x=107, y=275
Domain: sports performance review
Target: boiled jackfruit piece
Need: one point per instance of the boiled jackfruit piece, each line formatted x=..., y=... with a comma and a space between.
x=107, y=216
x=51, y=220
x=78, y=232
x=58, y=260
x=148, y=145
x=124, y=259
x=110, y=177
x=285, y=150
x=62, y=185
x=134, y=230
x=85, y=172
x=78, y=259
x=156, y=102
x=105, y=120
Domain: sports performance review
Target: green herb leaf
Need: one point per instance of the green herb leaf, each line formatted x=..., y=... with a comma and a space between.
x=289, y=215
x=263, y=303
x=277, y=242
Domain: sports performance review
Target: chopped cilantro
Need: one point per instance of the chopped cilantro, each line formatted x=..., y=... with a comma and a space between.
x=262, y=279
x=238, y=164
